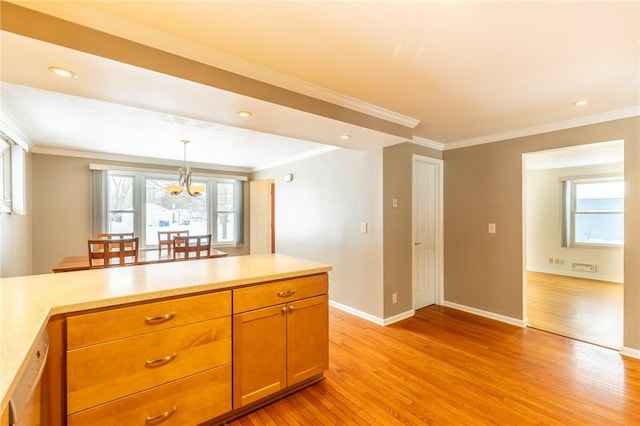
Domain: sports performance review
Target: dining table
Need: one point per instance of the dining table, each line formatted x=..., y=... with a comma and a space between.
x=81, y=262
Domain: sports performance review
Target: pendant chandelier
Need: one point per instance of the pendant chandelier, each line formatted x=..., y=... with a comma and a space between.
x=184, y=180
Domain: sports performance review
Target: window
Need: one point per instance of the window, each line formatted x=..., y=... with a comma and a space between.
x=138, y=202
x=12, y=176
x=5, y=176
x=166, y=212
x=121, y=213
x=596, y=211
x=224, y=211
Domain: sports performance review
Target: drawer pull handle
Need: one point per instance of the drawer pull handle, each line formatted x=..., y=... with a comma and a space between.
x=286, y=293
x=154, y=420
x=153, y=363
x=159, y=318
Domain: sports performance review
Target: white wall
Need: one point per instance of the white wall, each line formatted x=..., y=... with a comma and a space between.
x=318, y=216
x=16, y=235
x=15, y=247
x=543, y=227
x=260, y=216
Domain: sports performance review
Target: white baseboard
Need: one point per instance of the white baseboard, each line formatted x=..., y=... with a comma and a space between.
x=356, y=312
x=630, y=352
x=369, y=317
x=587, y=275
x=486, y=314
x=399, y=317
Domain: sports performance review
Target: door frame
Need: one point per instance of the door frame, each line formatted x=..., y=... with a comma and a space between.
x=439, y=239
x=525, y=220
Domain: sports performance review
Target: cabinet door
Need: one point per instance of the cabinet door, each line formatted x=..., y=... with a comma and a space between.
x=259, y=348
x=307, y=338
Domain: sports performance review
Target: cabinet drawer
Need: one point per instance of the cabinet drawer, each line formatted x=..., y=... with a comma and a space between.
x=260, y=296
x=196, y=399
x=112, y=324
x=101, y=373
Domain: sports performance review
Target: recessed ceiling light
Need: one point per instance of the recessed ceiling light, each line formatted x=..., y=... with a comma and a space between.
x=580, y=103
x=62, y=72
x=345, y=137
x=244, y=114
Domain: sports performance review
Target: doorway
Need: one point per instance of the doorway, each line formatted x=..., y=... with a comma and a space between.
x=573, y=222
x=262, y=216
x=427, y=231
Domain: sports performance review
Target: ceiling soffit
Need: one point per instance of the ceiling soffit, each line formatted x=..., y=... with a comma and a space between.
x=47, y=28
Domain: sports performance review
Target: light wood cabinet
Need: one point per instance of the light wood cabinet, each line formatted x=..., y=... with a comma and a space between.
x=280, y=336
x=307, y=338
x=195, y=359
x=116, y=323
x=189, y=401
x=4, y=417
x=128, y=365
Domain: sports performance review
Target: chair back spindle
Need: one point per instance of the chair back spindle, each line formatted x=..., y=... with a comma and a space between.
x=115, y=236
x=107, y=253
x=192, y=247
x=165, y=240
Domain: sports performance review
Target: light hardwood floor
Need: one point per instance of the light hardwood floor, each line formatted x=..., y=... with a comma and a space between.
x=447, y=367
x=582, y=309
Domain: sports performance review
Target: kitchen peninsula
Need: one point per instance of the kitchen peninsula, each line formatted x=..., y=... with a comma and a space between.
x=207, y=307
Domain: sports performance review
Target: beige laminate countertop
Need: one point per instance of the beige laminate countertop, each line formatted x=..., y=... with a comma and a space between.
x=27, y=303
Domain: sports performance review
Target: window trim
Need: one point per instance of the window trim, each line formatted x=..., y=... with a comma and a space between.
x=569, y=207
x=140, y=178
x=162, y=172
x=5, y=176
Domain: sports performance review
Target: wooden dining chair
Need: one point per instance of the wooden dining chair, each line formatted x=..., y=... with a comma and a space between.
x=115, y=236
x=107, y=253
x=192, y=247
x=165, y=239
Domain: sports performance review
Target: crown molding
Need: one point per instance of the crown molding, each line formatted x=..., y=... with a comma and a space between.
x=174, y=163
x=136, y=159
x=428, y=143
x=83, y=14
x=545, y=128
x=13, y=132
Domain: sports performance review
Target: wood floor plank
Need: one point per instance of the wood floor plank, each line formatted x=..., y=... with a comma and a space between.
x=583, y=309
x=446, y=367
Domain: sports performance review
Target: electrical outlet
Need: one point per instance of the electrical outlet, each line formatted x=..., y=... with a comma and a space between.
x=394, y=298
x=551, y=260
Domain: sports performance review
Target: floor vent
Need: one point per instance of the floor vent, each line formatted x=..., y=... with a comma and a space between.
x=585, y=267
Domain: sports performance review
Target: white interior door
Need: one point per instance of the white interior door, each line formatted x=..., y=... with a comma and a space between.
x=260, y=216
x=426, y=231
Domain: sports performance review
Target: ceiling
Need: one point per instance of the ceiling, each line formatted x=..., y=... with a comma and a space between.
x=577, y=155
x=456, y=73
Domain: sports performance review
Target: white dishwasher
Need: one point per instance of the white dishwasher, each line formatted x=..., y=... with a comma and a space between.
x=25, y=403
